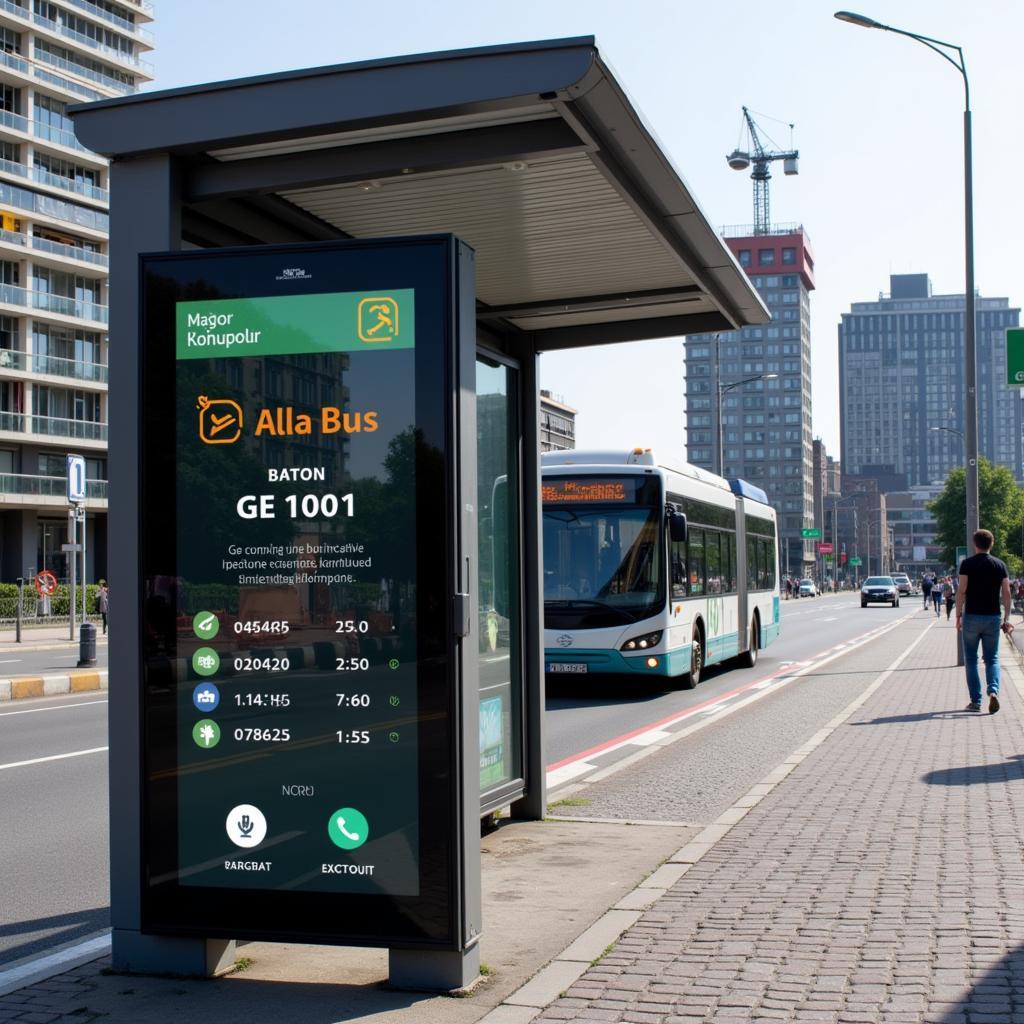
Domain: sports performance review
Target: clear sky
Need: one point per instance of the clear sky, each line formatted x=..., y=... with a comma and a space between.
x=878, y=125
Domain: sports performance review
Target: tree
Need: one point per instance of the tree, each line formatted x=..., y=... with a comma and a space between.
x=1001, y=510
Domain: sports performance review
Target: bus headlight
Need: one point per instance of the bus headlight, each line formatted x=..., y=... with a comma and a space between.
x=642, y=643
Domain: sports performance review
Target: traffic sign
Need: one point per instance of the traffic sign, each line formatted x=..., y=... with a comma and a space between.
x=809, y=533
x=824, y=547
x=76, y=478
x=961, y=554
x=855, y=560
x=1015, y=357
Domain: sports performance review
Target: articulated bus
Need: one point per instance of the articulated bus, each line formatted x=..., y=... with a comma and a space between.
x=654, y=571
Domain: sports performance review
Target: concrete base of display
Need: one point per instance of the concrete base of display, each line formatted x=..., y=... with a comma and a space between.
x=433, y=970
x=135, y=953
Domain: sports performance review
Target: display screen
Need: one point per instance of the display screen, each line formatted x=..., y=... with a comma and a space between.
x=298, y=693
x=589, y=489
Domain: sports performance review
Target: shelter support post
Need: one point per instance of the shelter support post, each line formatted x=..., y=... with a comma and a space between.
x=533, y=805
x=145, y=216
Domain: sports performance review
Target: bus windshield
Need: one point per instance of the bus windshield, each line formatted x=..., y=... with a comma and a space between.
x=603, y=566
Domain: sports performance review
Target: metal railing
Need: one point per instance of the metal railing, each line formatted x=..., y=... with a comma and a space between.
x=67, y=306
x=12, y=421
x=48, y=486
x=51, y=206
x=45, y=177
x=56, y=426
x=110, y=52
x=15, y=121
x=79, y=69
x=11, y=60
x=75, y=252
x=67, y=83
x=61, y=136
x=122, y=23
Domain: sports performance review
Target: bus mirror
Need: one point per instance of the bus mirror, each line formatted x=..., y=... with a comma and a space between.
x=677, y=527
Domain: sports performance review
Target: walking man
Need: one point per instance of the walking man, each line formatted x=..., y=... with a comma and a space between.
x=984, y=584
x=937, y=594
x=949, y=593
x=926, y=588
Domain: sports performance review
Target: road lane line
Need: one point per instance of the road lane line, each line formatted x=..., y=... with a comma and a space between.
x=557, y=775
x=56, y=707
x=53, y=757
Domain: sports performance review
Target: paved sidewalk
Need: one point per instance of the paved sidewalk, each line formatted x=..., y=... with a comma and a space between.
x=881, y=881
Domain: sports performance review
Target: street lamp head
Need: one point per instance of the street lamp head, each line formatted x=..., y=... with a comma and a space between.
x=857, y=19
x=770, y=376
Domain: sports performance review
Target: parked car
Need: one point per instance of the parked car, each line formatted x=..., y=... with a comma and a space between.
x=879, y=590
x=903, y=584
x=808, y=589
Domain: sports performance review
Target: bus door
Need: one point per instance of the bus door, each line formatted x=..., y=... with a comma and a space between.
x=742, y=607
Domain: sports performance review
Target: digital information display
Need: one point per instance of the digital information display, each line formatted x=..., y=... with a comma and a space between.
x=297, y=677
x=589, y=490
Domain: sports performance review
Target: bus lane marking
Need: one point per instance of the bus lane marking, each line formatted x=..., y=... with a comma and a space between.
x=713, y=709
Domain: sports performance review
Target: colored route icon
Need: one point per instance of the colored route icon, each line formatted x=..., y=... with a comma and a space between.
x=206, y=625
x=206, y=733
x=206, y=661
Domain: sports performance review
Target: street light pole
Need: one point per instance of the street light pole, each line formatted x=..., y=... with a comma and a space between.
x=970, y=357
x=722, y=388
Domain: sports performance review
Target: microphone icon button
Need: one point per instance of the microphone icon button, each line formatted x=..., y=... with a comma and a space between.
x=246, y=825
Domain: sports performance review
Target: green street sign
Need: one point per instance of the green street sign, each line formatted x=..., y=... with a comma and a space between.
x=1015, y=357
x=961, y=554
x=855, y=560
x=810, y=532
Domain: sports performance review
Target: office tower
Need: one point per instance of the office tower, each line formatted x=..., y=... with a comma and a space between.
x=901, y=392
x=758, y=380
x=53, y=267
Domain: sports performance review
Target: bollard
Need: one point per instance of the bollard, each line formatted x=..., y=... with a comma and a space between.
x=17, y=617
x=87, y=645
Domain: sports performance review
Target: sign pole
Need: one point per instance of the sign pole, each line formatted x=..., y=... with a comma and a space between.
x=72, y=562
x=85, y=578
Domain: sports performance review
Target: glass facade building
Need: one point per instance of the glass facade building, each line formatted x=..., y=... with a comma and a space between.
x=901, y=371
x=759, y=380
x=54, y=267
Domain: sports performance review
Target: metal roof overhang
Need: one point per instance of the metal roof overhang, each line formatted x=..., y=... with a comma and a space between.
x=531, y=153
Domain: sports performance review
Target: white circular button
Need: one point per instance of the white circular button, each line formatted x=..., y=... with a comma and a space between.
x=246, y=825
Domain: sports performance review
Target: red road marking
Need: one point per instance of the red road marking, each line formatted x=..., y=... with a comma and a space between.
x=680, y=715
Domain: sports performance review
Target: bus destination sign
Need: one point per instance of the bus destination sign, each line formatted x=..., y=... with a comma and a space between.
x=584, y=490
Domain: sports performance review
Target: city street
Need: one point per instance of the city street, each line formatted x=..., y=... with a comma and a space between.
x=54, y=855
x=42, y=658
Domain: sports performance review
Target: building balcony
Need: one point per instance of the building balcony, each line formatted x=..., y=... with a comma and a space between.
x=121, y=24
x=54, y=366
x=61, y=304
x=44, y=177
x=42, y=429
x=25, y=485
x=51, y=206
x=81, y=39
x=72, y=68
x=71, y=252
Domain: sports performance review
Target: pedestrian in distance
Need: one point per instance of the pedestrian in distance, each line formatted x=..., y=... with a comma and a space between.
x=937, y=595
x=103, y=602
x=789, y=588
x=984, y=585
x=926, y=589
x=949, y=593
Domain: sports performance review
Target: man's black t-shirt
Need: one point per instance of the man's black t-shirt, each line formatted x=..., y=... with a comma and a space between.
x=985, y=576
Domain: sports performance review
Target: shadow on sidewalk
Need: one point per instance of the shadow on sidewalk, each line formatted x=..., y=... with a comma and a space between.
x=924, y=716
x=979, y=775
x=43, y=932
x=992, y=996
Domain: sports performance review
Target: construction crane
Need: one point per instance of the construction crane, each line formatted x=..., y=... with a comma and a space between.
x=761, y=158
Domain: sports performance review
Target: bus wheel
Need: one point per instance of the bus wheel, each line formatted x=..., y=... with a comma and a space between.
x=748, y=659
x=696, y=660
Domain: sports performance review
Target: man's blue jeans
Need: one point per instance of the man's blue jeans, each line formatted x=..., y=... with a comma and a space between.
x=985, y=628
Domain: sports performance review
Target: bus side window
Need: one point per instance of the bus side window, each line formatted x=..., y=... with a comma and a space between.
x=713, y=561
x=771, y=565
x=678, y=549
x=752, y=563
x=695, y=562
x=728, y=563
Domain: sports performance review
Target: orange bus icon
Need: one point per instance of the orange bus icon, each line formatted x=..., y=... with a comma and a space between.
x=220, y=420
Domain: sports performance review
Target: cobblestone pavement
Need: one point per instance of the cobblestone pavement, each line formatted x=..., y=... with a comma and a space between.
x=881, y=881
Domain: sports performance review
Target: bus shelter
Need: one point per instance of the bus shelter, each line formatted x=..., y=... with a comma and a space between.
x=582, y=233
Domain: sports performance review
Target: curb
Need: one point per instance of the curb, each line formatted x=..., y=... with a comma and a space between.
x=551, y=981
x=27, y=687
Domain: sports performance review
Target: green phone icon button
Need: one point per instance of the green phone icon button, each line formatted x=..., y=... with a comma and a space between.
x=348, y=828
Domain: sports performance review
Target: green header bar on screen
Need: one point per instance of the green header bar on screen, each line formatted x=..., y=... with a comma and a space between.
x=1015, y=357
x=295, y=324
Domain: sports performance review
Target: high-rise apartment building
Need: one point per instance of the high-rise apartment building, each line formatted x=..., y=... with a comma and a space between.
x=759, y=380
x=557, y=424
x=901, y=392
x=53, y=267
